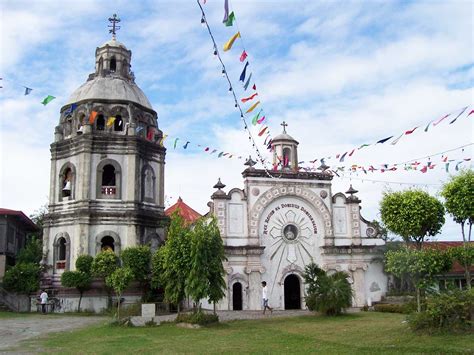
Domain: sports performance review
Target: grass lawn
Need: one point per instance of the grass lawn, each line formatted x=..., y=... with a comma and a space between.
x=361, y=333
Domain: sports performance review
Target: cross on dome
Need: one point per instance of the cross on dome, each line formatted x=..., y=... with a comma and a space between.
x=114, y=20
x=284, y=124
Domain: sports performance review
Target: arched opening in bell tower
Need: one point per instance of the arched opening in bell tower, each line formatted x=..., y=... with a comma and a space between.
x=286, y=157
x=108, y=175
x=292, y=291
x=100, y=123
x=113, y=64
x=118, y=123
x=107, y=243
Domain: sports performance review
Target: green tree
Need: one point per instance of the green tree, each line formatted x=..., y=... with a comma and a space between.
x=105, y=264
x=81, y=279
x=328, y=294
x=138, y=260
x=421, y=265
x=171, y=263
x=464, y=255
x=458, y=194
x=119, y=280
x=412, y=214
x=38, y=218
x=22, y=278
x=32, y=252
x=217, y=283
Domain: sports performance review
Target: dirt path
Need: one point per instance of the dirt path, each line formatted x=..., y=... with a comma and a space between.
x=15, y=330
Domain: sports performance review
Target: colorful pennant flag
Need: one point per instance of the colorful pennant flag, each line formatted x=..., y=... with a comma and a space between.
x=350, y=154
x=255, y=118
x=413, y=130
x=175, y=142
x=427, y=126
x=242, y=75
x=139, y=129
x=220, y=154
x=110, y=121
x=230, y=19
x=397, y=139
x=464, y=109
x=441, y=119
x=248, y=82
x=262, y=131
x=28, y=90
x=70, y=109
x=231, y=41
x=163, y=139
x=362, y=146
x=151, y=133
x=92, y=117
x=384, y=140
x=254, y=87
x=186, y=145
x=243, y=56
x=343, y=156
x=48, y=99
x=469, y=114
x=245, y=99
x=226, y=11
x=251, y=108
x=260, y=120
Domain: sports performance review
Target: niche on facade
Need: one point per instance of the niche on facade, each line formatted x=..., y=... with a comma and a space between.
x=108, y=179
x=148, y=184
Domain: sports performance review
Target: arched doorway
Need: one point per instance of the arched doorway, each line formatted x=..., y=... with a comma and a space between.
x=237, y=296
x=292, y=292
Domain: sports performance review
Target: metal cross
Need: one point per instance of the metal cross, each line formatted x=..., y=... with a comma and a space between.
x=284, y=124
x=114, y=20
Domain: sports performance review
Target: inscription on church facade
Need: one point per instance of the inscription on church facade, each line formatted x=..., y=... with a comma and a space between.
x=283, y=206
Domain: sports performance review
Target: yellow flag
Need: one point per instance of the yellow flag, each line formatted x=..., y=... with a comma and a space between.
x=163, y=139
x=110, y=121
x=252, y=107
x=231, y=41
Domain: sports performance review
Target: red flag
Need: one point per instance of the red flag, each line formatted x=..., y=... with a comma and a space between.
x=150, y=133
x=245, y=99
x=410, y=132
x=350, y=154
x=439, y=121
x=337, y=156
x=207, y=149
x=470, y=113
x=243, y=56
x=255, y=88
x=424, y=169
x=262, y=131
x=445, y=159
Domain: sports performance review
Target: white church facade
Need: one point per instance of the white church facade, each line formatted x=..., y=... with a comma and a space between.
x=283, y=220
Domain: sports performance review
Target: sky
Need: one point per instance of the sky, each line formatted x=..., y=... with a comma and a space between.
x=341, y=74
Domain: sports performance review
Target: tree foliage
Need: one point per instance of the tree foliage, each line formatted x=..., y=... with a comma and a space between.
x=84, y=263
x=458, y=194
x=328, y=294
x=171, y=263
x=119, y=280
x=412, y=214
x=22, y=278
x=104, y=264
x=217, y=283
x=32, y=252
x=38, y=218
x=421, y=265
x=78, y=280
x=138, y=260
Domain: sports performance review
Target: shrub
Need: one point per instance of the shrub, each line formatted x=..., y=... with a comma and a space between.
x=449, y=311
x=138, y=260
x=31, y=253
x=200, y=318
x=84, y=263
x=22, y=278
x=104, y=264
x=404, y=308
x=331, y=294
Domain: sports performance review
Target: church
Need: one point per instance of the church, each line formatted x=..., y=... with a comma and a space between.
x=285, y=219
x=107, y=192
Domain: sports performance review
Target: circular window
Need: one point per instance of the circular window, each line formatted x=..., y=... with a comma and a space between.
x=290, y=232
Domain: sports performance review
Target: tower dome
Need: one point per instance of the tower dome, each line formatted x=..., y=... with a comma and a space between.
x=285, y=151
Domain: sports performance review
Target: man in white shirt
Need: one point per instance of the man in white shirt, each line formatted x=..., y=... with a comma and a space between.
x=44, y=301
x=265, y=297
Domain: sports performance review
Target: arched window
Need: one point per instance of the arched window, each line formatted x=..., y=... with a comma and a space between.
x=107, y=243
x=80, y=124
x=108, y=179
x=286, y=157
x=113, y=64
x=61, y=249
x=118, y=123
x=100, y=123
x=67, y=182
x=108, y=175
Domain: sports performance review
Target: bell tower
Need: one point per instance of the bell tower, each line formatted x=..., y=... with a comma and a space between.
x=285, y=151
x=107, y=166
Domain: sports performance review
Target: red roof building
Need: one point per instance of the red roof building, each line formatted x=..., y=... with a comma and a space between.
x=188, y=214
x=457, y=269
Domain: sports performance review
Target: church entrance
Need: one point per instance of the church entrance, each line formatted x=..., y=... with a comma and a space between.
x=237, y=296
x=292, y=292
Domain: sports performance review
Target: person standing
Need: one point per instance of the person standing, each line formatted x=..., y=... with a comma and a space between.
x=265, y=297
x=44, y=301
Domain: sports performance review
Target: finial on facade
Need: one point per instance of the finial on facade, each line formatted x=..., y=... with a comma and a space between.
x=284, y=124
x=323, y=167
x=250, y=163
x=351, y=192
x=219, y=185
x=114, y=28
